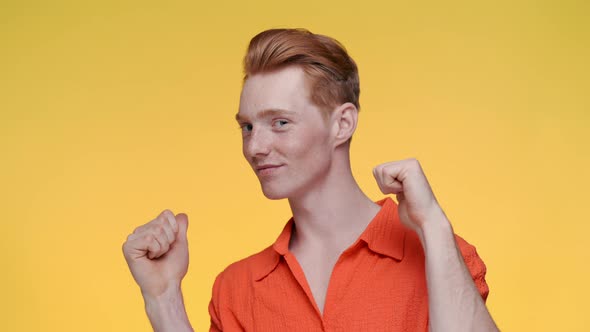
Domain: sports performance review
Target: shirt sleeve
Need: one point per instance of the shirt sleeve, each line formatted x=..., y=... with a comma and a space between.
x=214, y=307
x=475, y=265
x=222, y=316
x=215, y=324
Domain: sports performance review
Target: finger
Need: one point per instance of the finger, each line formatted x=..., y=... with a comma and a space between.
x=171, y=220
x=377, y=173
x=182, y=220
x=162, y=239
x=387, y=179
x=390, y=178
x=153, y=248
x=395, y=186
x=155, y=226
x=391, y=173
x=164, y=226
x=395, y=174
x=138, y=246
x=170, y=236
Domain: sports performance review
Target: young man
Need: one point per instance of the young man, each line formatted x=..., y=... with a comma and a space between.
x=342, y=262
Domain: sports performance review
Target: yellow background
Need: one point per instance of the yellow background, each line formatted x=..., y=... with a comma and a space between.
x=111, y=111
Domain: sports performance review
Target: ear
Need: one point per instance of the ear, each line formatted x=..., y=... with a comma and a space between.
x=344, y=119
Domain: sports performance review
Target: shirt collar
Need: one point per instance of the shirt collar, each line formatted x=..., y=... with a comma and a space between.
x=384, y=235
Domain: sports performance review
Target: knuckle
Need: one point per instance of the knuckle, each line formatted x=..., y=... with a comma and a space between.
x=154, y=223
x=166, y=212
x=163, y=220
x=148, y=238
x=159, y=230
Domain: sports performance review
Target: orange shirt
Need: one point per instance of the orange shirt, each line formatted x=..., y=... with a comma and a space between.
x=377, y=284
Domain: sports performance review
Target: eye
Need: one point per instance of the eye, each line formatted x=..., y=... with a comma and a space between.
x=246, y=127
x=280, y=123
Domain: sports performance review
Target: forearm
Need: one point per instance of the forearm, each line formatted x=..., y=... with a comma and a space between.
x=166, y=312
x=453, y=299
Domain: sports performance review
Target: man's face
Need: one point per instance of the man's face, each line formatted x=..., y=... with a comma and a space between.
x=284, y=136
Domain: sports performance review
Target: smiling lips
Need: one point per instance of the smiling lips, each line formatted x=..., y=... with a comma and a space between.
x=267, y=169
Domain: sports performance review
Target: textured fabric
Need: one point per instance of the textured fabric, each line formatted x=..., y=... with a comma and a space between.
x=378, y=284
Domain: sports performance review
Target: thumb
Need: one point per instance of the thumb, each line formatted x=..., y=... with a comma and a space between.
x=182, y=220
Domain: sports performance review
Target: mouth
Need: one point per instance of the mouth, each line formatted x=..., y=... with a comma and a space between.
x=264, y=170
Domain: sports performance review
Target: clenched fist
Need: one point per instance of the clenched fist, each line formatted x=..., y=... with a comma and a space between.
x=417, y=205
x=157, y=253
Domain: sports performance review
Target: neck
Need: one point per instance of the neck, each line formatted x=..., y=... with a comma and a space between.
x=334, y=213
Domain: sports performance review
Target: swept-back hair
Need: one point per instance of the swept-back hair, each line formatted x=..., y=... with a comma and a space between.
x=332, y=75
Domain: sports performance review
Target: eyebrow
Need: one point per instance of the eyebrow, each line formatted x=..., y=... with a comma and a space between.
x=266, y=113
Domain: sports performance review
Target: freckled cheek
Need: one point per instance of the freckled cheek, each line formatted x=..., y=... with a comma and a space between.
x=296, y=140
x=305, y=145
x=311, y=148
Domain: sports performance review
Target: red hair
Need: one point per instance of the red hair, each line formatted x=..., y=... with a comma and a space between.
x=331, y=73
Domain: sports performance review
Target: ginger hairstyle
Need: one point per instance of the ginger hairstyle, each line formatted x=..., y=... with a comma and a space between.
x=332, y=75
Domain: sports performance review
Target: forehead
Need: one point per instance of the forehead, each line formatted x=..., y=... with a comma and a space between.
x=281, y=89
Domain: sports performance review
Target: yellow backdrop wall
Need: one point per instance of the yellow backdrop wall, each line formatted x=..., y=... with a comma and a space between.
x=111, y=111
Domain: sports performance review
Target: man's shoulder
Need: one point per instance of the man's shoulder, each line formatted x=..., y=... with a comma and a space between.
x=232, y=289
x=250, y=268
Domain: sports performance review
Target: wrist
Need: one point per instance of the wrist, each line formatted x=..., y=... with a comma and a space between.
x=435, y=227
x=161, y=293
x=166, y=310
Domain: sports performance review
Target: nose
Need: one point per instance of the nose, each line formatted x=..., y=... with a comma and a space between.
x=257, y=144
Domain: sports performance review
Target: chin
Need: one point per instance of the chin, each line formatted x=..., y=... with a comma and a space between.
x=275, y=193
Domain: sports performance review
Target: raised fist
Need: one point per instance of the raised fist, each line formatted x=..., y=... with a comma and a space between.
x=157, y=253
x=417, y=205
